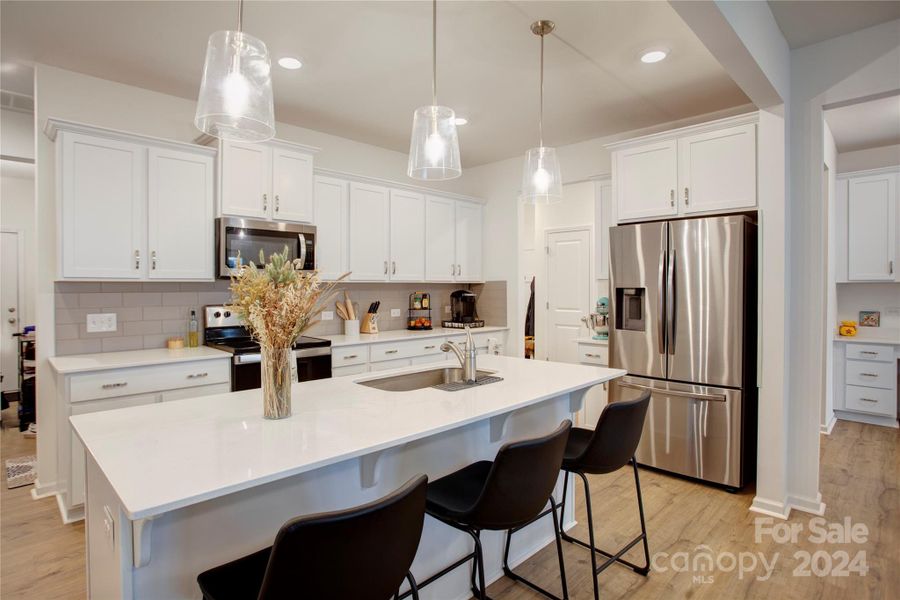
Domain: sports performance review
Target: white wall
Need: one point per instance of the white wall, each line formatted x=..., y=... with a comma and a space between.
x=884, y=297
x=16, y=134
x=870, y=158
x=73, y=96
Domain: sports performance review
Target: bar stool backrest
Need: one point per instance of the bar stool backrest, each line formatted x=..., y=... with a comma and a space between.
x=616, y=436
x=520, y=481
x=362, y=553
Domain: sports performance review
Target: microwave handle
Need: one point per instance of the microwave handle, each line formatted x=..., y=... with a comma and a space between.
x=302, y=250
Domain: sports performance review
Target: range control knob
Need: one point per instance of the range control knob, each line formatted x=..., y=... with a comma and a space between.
x=217, y=314
x=227, y=314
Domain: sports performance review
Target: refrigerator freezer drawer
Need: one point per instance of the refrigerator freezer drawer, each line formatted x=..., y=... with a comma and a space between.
x=690, y=429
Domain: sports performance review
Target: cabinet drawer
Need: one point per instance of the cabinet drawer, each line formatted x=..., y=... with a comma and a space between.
x=385, y=365
x=349, y=370
x=344, y=356
x=870, y=352
x=196, y=392
x=593, y=355
x=404, y=349
x=142, y=380
x=871, y=374
x=871, y=400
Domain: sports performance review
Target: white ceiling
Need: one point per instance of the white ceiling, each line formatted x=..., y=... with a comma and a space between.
x=367, y=65
x=865, y=125
x=805, y=22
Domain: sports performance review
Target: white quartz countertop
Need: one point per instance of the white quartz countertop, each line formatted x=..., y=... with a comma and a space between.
x=401, y=334
x=80, y=363
x=166, y=456
x=863, y=339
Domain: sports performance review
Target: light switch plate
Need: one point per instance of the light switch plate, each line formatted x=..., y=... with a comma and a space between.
x=101, y=322
x=395, y=312
x=327, y=315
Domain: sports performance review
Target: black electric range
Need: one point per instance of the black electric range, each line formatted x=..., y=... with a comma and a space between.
x=225, y=331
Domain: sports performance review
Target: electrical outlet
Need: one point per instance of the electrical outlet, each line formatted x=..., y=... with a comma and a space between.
x=327, y=315
x=101, y=322
x=447, y=310
x=395, y=312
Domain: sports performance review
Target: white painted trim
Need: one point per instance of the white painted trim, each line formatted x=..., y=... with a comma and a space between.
x=771, y=508
x=398, y=185
x=53, y=126
x=895, y=169
x=69, y=516
x=205, y=139
x=40, y=491
x=845, y=415
x=816, y=507
x=745, y=119
x=545, y=270
x=827, y=429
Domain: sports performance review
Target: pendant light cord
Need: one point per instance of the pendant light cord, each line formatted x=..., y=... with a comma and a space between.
x=541, y=117
x=240, y=15
x=434, y=53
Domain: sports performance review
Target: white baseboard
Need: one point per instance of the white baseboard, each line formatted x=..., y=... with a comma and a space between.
x=69, y=515
x=816, y=507
x=827, y=429
x=770, y=508
x=868, y=419
x=40, y=490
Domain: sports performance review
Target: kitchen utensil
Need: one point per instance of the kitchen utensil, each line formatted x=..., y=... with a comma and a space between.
x=351, y=328
x=350, y=312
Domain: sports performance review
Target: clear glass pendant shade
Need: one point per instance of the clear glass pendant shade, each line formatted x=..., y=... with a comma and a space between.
x=235, y=101
x=541, y=179
x=434, y=146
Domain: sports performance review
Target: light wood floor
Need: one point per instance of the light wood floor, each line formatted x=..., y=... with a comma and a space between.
x=43, y=559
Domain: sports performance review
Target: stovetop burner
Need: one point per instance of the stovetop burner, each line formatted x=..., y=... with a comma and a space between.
x=225, y=331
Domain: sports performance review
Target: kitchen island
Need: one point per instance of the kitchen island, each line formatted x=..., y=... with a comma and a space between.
x=176, y=488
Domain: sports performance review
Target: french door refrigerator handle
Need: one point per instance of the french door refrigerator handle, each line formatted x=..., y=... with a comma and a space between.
x=661, y=309
x=670, y=302
x=678, y=393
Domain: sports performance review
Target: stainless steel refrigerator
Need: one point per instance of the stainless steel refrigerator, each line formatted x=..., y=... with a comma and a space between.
x=684, y=327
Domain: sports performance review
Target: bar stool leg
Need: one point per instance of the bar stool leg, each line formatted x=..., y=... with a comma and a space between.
x=559, y=553
x=479, y=592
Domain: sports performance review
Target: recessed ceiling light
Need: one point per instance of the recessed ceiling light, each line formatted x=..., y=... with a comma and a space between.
x=654, y=55
x=290, y=63
x=461, y=120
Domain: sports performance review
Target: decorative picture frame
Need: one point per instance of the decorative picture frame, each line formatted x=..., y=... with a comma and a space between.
x=870, y=318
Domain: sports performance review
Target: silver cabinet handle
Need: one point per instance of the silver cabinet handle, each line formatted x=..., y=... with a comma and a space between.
x=869, y=374
x=385, y=267
x=868, y=352
x=393, y=267
x=869, y=400
x=391, y=351
x=589, y=355
x=453, y=269
x=349, y=356
x=109, y=386
x=277, y=202
x=197, y=375
x=672, y=197
x=891, y=267
x=432, y=347
x=686, y=196
x=153, y=260
x=265, y=203
x=137, y=259
x=459, y=269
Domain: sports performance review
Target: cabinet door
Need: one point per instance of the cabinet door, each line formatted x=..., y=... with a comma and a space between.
x=407, y=236
x=468, y=241
x=180, y=215
x=246, y=179
x=369, y=232
x=331, y=197
x=645, y=180
x=76, y=483
x=717, y=170
x=102, y=201
x=292, y=185
x=871, y=206
x=440, y=238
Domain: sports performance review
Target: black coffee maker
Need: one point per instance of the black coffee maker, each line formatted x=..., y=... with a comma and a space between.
x=462, y=310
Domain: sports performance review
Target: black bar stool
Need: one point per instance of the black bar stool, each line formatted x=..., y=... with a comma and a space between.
x=609, y=447
x=362, y=553
x=505, y=494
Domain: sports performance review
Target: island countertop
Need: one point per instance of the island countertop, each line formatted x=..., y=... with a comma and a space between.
x=162, y=457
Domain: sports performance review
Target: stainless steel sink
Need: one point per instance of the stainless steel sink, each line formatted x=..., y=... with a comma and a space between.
x=408, y=382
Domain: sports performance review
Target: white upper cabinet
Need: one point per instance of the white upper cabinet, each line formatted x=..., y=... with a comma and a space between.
x=180, y=215
x=646, y=179
x=272, y=180
x=246, y=178
x=440, y=238
x=331, y=208
x=103, y=199
x=717, y=170
x=407, y=230
x=292, y=185
x=469, y=216
x=872, y=227
x=703, y=169
x=133, y=207
x=369, y=232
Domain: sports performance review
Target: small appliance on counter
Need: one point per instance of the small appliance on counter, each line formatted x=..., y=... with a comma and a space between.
x=462, y=311
x=419, y=318
x=224, y=330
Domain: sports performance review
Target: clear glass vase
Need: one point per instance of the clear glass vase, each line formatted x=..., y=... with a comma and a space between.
x=276, y=382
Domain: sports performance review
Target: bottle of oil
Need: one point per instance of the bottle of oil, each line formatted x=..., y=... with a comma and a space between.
x=193, y=331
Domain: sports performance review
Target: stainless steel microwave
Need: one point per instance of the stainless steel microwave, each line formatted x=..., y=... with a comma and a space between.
x=240, y=241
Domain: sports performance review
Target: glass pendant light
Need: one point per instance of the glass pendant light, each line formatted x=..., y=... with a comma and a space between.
x=541, y=180
x=434, y=147
x=235, y=101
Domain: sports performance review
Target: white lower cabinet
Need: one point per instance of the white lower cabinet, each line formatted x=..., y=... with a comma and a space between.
x=596, y=398
x=351, y=370
x=865, y=382
x=96, y=391
x=386, y=365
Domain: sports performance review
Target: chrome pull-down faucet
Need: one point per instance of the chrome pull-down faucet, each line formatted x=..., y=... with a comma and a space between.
x=467, y=356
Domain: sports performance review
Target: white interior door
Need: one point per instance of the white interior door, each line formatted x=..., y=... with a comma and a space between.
x=9, y=304
x=568, y=291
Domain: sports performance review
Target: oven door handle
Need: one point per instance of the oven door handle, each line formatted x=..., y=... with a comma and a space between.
x=247, y=359
x=310, y=352
x=302, y=237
